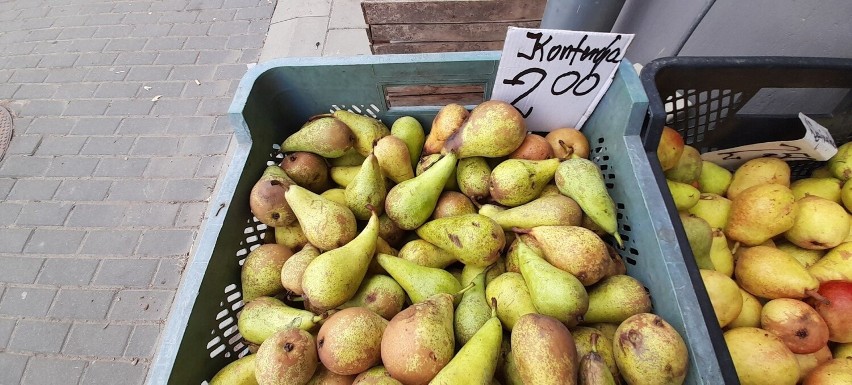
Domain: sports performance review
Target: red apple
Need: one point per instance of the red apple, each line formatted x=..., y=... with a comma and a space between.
x=670, y=148
x=836, y=310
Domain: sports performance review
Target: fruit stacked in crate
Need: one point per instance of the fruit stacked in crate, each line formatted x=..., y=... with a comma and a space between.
x=471, y=256
x=775, y=256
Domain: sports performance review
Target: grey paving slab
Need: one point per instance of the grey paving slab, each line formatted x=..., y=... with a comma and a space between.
x=97, y=339
x=54, y=241
x=111, y=242
x=6, y=327
x=19, y=269
x=141, y=305
x=104, y=373
x=38, y=336
x=126, y=272
x=26, y=301
x=142, y=341
x=67, y=271
x=82, y=304
x=78, y=190
x=13, y=367
x=34, y=189
x=50, y=371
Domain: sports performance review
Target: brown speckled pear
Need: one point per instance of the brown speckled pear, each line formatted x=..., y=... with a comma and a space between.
x=426, y=254
x=325, y=136
x=264, y=316
x=648, y=350
x=615, y=299
x=393, y=157
x=379, y=293
x=261, y=272
x=291, y=236
x=266, y=199
x=601, y=344
x=419, y=341
x=452, y=203
x=493, y=129
x=367, y=189
x=376, y=376
x=447, y=121
x=324, y=376
x=326, y=224
x=411, y=203
x=367, y=131
x=288, y=357
x=552, y=210
x=294, y=268
x=419, y=282
x=473, y=239
x=349, y=341
x=581, y=180
x=511, y=290
x=472, y=176
x=544, y=351
x=517, y=181
x=554, y=292
x=574, y=249
x=308, y=170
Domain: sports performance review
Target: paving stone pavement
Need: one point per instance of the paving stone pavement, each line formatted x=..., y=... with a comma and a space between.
x=118, y=142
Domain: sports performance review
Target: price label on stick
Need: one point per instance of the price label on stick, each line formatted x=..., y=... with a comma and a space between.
x=555, y=78
x=817, y=144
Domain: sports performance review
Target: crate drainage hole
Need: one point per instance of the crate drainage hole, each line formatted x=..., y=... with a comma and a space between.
x=5, y=130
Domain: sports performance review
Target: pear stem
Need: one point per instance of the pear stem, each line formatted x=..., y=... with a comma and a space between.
x=295, y=298
x=371, y=208
x=735, y=248
x=493, y=307
x=519, y=230
x=466, y=288
x=594, y=338
x=569, y=151
x=817, y=296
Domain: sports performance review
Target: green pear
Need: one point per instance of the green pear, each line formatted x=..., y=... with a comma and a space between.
x=490, y=210
x=553, y=210
x=419, y=282
x=771, y=273
x=581, y=180
x=419, y=341
x=588, y=340
x=760, y=213
x=835, y=265
x=367, y=131
x=828, y=188
x=724, y=296
x=685, y=196
x=393, y=157
x=326, y=136
x=324, y=376
x=839, y=164
x=700, y=237
x=846, y=195
x=410, y=203
x=472, y=176
x=333, y=277
x=544, y=351
x=493, y=129
x=616, y=298
x=410, y=131
x=380, y=294
x=819, y=224
x=350, y=158
x=473, y=239
x=452, y=203
x=476, y=362
x=760, y=357
x=554, y=292
x=426, y=254
x=294, y=268
x=326, y=224
x=428, y=161
x=291, y=236
x=376, y=375
x=759, y=171
x=510, y=290
x=688, y=167
x=266, y=199
x=649, y=351
x=714, y=179
x=473, y=311
x=720, y=255
x=286, y=357
x=749, y=313
x=264, y=316
x=517, y=181
x=806, y=257
x=337, y=195
x=239, y=372
x=507, y=371
x=307, y=169
x=261, y=272
x=344, y=175
x=574, y=249
x=712, y=208
x=367, y=190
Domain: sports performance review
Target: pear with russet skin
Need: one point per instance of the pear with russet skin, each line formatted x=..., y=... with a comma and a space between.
x=759, y=213
x=510, y=289
x=476, y=361
x=473, y=310
x=367, y=131
x=324, y=376
x=553, y=210
x=757, y=172
x=615, y=299
x=264, y=316
x=411, y=203
x=428, y=161
x=294, y=268
x=326, y=224
x=554, y=292
x=287, y=357
x=349, y=341
x=266, y=200
x=517, y=181
x=333, y=277
x=827, y=188
x=380, y=294
x=593, y=369
x=567, y=142
x=771, y=273
x=534, y=147
x=410, y=131
x=588, y=339
x=261, y=272
x=419, y=282
x=688, y=166
x=377, y=375
x=307, y=169
x=724, y=296
x=648, y=350
x=835, y=265
x=473, y=239
x=714, y=179
x=544, y=351
x=325, y=136
x=447, y=121
x=684, y=196
x=426, y=254
x=819, y=224
x=581, y=180
x=493, y=129
x=797, y=324
x=712, y=208
x=452, y=203
x=473, y=176
x=392, y=154
x=389, y=231
x=367, y=189
x=573, y=249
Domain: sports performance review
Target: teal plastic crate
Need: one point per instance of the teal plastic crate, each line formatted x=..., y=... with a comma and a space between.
x=275, y=98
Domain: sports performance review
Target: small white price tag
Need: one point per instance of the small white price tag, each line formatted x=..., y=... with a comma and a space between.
x=555, y=78
x=817, y=144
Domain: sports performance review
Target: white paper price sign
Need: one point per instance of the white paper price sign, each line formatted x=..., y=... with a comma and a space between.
x=555, y=78
x=817, y=144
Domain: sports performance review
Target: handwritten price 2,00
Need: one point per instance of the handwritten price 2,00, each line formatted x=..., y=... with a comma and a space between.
x=579, y=83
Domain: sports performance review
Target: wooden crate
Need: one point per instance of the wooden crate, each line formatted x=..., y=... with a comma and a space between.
x=406, y=26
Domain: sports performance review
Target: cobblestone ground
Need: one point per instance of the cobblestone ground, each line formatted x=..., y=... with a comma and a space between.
x=119, y=137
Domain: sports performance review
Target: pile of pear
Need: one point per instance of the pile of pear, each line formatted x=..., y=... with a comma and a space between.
x=775, y=256
x=473, y=255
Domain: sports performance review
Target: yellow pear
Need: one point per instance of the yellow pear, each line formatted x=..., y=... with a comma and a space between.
x=749, y=314
x=714, y=179
x=834, y=266
x=819, y=224
x=685, y=196
x=760, y=213
x=759, y=171
x=771, y=273
x=828, y=188
x=805, y=256
x=760, y=358
x=712, y=208
x=724, y=296
x=720, y=254
x=846, y=195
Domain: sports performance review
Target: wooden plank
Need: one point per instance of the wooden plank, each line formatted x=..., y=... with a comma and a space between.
x=409, y=90
x=450, y=11
x=445, y=32
x=389, y=48
x=436, y=100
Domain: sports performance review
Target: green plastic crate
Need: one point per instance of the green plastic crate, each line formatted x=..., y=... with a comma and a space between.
x=275, y=98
